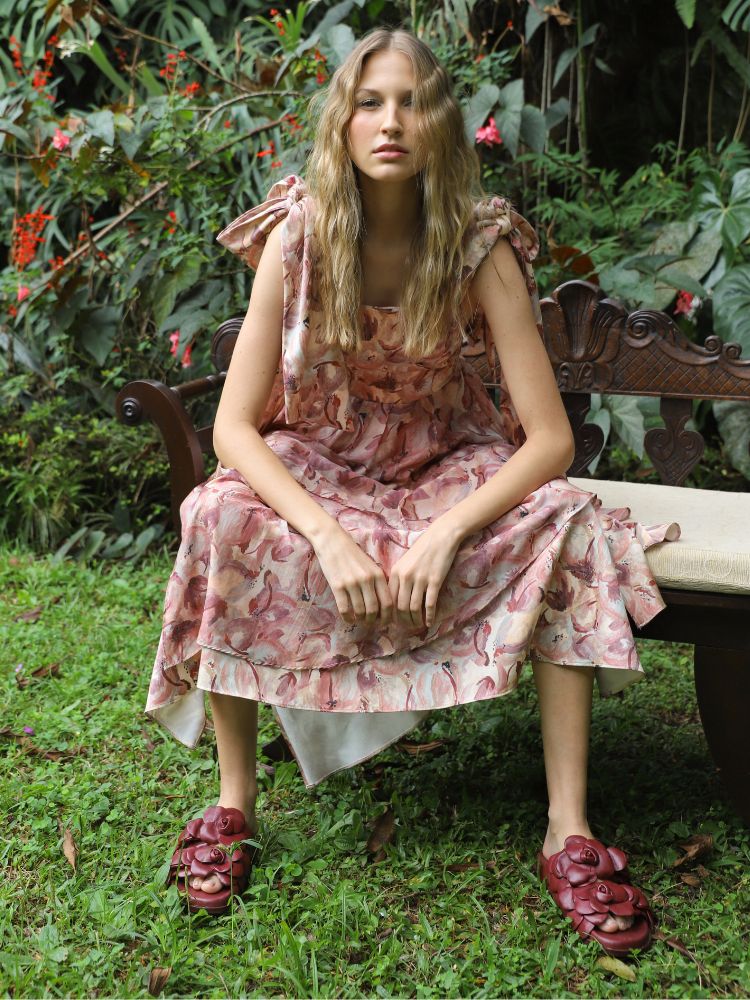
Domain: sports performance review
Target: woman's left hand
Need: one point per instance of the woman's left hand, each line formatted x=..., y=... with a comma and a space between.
x=416, y=578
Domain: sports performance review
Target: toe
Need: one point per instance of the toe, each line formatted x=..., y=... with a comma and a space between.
x=610, y=925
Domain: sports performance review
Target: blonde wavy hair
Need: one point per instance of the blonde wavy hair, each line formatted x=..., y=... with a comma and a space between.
x=448, y=184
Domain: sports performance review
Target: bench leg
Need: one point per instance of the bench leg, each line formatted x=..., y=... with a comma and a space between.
x=722, y=683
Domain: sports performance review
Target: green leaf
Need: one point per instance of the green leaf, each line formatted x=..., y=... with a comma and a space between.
x=614, y=965
x=627, y=421
x=477, y=110
x=533, y=128
x=589, y=35
x=733, y=419
x=686, y=11
x=341, y=41
x=736, y=15
x=564, y=60
x=508, y=117
x=98, y=331
x=170, y=287
x=680, y=280
x=534, y=18
x=729, y=50
x=16, y=130
x=207, y=42
x=557, y=112
x=96, y=53
x=102, y=125
x=731, y=219
x=732, y=307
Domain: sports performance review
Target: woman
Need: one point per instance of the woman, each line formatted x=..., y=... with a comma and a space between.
x=378, y=539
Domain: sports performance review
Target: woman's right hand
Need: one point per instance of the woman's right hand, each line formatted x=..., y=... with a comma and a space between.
x=358, y=584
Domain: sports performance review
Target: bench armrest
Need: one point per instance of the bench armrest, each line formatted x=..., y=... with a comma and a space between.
x=185, y=444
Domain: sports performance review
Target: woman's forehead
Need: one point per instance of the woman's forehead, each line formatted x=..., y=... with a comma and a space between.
x=387, y=71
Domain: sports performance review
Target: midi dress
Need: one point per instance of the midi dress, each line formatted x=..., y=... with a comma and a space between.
x=386, y=444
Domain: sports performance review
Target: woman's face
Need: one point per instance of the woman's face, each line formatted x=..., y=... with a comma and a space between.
x=384, y=114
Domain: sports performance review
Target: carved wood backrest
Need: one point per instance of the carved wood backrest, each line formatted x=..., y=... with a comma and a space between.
x=596, y=345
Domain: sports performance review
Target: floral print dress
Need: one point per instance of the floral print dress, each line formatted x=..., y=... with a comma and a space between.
x=386, y=444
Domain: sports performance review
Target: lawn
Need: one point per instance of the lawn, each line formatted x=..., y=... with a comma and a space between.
x=450, y=907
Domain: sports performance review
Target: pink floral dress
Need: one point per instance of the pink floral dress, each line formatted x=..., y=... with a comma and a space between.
x=386, y=444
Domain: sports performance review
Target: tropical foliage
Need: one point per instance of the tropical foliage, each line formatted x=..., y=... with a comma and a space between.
x=134, y=131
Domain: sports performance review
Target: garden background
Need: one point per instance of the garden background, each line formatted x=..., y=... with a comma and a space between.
x=132, y=132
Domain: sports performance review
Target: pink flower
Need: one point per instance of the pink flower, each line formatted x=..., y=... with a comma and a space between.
x=687, y=304
x=60, y=139
x=28, y=730
x=186, y=362
x=489, y=134
x=174, y=340
x=23, y=291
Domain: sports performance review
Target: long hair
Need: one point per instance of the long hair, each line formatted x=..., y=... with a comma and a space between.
x=448, y=183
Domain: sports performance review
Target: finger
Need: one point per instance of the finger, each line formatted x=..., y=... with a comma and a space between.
x=372, y=603
x=357, y=601
x=386, y=601
x=430, y=601
x=416, y=604
x=341, y=597
x=401, y=598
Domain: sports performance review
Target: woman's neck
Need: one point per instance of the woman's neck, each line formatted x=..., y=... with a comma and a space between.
x=391, y=210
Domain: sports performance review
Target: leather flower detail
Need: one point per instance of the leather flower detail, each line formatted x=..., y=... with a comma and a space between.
x=585, y=859
x=216, y=826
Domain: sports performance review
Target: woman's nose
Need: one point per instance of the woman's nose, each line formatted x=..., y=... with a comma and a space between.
x=391, y=119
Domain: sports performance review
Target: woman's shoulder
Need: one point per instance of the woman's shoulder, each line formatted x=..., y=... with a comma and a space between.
x=493, y=216
x=287, y=199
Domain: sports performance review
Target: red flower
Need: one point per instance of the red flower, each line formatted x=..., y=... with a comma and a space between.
x=489, y=134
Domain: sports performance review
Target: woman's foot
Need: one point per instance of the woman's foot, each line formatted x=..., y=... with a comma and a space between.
x=557, y=832
x=247, y=807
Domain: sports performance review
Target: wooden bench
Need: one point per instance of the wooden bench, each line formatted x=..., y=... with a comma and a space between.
x=596, y=346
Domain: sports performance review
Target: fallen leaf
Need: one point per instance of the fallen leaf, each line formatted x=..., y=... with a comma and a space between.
x=48, y=670
x=703, y=872
x=689, y=879
x=562, y=18
x=615, y=966
x=34, y=613
x=157, y=980
x=409, y=746
x=31, y=615
x=697, y=846
x=21, y=681
x=69, y=848
x=674, y=942
x=383, y=831
x=149, y=743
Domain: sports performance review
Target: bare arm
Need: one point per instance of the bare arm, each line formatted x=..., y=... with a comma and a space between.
x=549, y=447
x=255, y=359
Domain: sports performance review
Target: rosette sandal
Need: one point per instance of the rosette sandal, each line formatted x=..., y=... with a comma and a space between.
x=213, y=845
x=590, y=882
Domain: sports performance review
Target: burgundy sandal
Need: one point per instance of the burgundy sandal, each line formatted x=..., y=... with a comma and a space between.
x=212, y=845
x=590, y=882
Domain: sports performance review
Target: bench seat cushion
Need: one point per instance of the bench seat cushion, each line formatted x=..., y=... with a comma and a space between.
x=713, y=550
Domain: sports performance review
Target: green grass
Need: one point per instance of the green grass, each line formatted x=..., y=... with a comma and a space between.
x=320, y=919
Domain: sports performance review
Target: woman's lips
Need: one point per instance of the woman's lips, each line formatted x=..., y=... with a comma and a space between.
x=390, y=154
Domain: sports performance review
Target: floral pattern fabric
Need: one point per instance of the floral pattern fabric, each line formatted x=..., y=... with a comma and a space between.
x=386, y=444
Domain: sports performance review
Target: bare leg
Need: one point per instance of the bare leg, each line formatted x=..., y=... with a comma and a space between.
x=236, y=726
x=565, y=708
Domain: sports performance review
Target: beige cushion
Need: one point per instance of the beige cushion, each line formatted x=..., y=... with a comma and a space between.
x=713, y=550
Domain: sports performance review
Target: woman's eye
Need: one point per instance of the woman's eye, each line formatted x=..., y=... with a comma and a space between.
x=371, y=100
